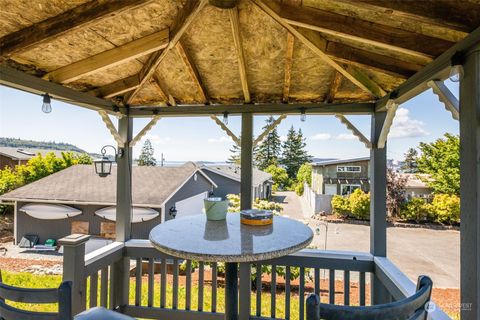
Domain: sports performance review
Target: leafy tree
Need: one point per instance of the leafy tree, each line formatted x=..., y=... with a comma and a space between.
x=270, y=148
x=146, y=157
x=304, y=174
x=396, y=188
x=279, y=176
x=441, y=160
x=410, y=163
x=294, y=153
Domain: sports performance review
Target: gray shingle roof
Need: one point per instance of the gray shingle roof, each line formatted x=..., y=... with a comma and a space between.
x=27, y=153
x=234, y=171
x=151, y=185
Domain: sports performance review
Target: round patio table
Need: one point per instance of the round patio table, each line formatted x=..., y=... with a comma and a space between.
x=229, y=241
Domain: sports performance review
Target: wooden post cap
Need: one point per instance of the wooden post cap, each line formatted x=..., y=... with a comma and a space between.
x=74, y=239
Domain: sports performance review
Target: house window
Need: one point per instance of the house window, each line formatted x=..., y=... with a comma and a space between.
x=347, y=189
x=349, y=169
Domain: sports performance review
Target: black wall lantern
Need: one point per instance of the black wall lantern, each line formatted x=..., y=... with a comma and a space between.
x=173, y=212
x=103, y=166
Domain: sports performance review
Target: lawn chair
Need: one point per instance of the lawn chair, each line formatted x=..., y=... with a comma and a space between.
x=411, y=308
x=62, y=295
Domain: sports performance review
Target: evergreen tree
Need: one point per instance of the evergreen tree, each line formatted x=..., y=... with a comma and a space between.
x=294, y=153
x=410, y=163
x=146, y=156
x=270, y=148
x=236, y=153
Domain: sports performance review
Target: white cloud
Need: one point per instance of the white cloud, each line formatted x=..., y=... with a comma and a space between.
x=222, y=139
x=405, y=127
x=321, y=136
x=346, y=136
x=156, y=139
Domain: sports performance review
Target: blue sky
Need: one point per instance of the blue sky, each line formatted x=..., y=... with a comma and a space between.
x=179, y=139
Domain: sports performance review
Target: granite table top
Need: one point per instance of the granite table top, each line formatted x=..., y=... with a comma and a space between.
x=196, y=238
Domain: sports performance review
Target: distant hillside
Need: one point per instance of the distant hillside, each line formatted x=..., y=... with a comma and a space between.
x=51, y=145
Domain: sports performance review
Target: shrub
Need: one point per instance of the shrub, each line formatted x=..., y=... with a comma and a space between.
x=299, y=188
x=279, y=177
x=234, y=205
x=445, y=208
x=415, y=210
x=355, y=206
x=304, y=174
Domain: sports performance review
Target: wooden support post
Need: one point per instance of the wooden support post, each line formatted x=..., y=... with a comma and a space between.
x=124, y=210
x=378, y=202
x=246, y=162
x=74, y=269
x=470, y=186
x=245, y=290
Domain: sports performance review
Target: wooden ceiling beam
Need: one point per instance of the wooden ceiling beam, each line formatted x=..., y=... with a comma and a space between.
x=185, y=17
x=79, y=17
x=367, y=32
x=110, y=58
x=192, y=70
x=335, y=86
x=315, y=42
x=375, y=12
x=237, y=38
x=161, y=90
x=116, y=88
x=288, y=66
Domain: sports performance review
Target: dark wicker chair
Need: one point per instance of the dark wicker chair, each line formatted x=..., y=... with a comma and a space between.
x=411, y=308
x=62, y=295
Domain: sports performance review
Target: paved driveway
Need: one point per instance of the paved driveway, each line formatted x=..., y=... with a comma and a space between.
x=293, y=206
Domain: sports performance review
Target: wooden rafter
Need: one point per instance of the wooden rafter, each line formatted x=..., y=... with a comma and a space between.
x=111, y=127
x=186, y=16
x=380, y=36
x=446, y=97
x=192, y=70
x=237, y=38
x=391, y=111
x=357, y=133
x=110, y=58
x=227, y=131
x=161, y=90
x=79, y=17
x=313, y=40
x=334, y=87
x=288, y=66
x=145, y=130
x=272, y=126
x=375, y=12
x=116, y=88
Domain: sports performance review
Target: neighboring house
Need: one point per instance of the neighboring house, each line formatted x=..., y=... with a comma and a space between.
x=158, y=189
x=416, y=186
x=227, y=178
x=10, y=157
x=336, y=177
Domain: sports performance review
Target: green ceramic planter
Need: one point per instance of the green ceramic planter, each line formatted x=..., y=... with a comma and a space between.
x=216, y=208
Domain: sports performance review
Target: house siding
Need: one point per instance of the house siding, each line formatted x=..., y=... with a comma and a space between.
x=230, y=186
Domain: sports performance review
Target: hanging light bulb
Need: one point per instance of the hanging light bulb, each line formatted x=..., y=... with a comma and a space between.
x=225, y=118
x=47, y=105
x=303, y=115
x=456, y=70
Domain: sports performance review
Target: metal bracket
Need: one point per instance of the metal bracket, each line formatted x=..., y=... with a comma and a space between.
x=111, y=128
x=354, y=130
x=272, y=126
x=227, y=131
x=391, y=107
x=446, y=96
x=144, y=131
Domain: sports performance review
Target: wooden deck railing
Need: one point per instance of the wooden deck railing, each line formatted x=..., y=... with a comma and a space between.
x=167, y=292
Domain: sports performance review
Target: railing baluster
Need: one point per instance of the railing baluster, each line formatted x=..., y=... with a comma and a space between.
x=317, y=281
x=163, y=286
x=346, y=287
x=287, y=292
x=214, y=287
x=138, y=281
x=362, y=288
x=104, y=287
x=111, y=302
x=93, y=289
x=188, y=289
x=301, y=294
x=259, y=289
x=175, y=284
x=331, y=288
x=201, y=274
x=151, y=283
x=273, y=291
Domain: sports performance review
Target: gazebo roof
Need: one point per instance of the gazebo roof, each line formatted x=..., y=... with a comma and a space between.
x=149, y=54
